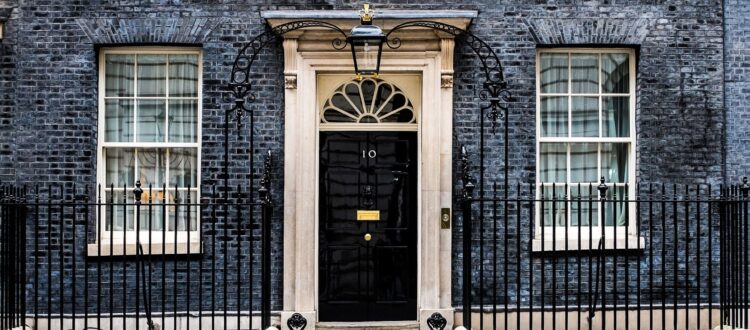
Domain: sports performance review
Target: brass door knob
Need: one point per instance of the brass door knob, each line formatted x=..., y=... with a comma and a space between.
x=368, y=237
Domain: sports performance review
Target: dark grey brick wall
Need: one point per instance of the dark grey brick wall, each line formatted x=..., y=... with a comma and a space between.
x=737, y=87
x=48, y=109
x=7, y=89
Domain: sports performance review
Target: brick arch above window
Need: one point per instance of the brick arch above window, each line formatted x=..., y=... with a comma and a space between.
x=589, y=31
x=109, y=31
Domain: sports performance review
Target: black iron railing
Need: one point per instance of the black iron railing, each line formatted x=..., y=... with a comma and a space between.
x=12, y=258
x=644, y=256
x=667, y=257
x=136, y=257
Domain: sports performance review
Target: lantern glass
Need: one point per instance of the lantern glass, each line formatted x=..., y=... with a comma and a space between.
x=368, y=56
x=367, y=44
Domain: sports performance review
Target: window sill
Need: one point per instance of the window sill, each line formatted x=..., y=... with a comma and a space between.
x=559, y=245
x=130, y=249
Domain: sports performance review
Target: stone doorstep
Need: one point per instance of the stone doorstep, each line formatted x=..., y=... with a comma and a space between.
x=385, y=325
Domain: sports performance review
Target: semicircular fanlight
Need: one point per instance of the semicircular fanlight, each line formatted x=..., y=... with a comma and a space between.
x=368, y=101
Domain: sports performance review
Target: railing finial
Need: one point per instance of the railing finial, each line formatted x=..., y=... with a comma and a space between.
x=602, y=188
x=137, y=192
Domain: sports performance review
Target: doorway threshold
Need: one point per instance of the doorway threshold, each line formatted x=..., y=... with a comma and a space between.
x=376, y=325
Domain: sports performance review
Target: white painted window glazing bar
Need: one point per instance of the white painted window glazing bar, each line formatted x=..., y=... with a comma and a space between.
x=569, y=139
x=163, y=143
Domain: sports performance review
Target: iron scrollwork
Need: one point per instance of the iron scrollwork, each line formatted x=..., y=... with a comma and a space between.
x=494, y=91
x=240, y=84
x=297, y=322
x=436, y=321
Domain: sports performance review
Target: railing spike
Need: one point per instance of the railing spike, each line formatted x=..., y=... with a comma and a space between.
x=745, y=188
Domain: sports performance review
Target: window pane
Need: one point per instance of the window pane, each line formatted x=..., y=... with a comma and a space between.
x=554, y=112
x=151, y=115
x=584, y=206
x=183, y=75
x=553, y=164
x=152, y=213
x=183, y=121
x=179, y=213
x=616, y=114
x=616, y=73
x=183, y=167
x=583, y=162
x=151, y=167
x=152, y=75
x=554, y=206
x=118, y=121
x=118, y=79
x=119, y=211
x=615, y=162
x=585, y=116
x=120, y=167
x=584, y=73
x=554, y=73
x=615, y=207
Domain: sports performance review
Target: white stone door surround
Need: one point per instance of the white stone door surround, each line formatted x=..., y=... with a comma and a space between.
x=309, y=53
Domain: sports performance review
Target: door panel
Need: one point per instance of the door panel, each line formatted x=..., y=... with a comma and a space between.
x=344, y=279
x=361, y=280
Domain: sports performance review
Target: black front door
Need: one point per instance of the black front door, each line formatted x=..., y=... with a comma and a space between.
x=368, y=226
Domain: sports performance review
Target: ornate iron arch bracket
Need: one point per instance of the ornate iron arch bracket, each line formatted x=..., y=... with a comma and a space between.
x=240, y=84
x=494, y=89
x=494, y=93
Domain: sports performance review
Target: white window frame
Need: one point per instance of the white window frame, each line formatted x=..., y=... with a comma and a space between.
x=619, y=237
x=157, y=242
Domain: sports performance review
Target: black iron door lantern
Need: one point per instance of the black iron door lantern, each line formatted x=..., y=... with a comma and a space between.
x=366, y=41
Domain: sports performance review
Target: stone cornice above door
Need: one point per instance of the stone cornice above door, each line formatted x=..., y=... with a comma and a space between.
x=414, y=39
